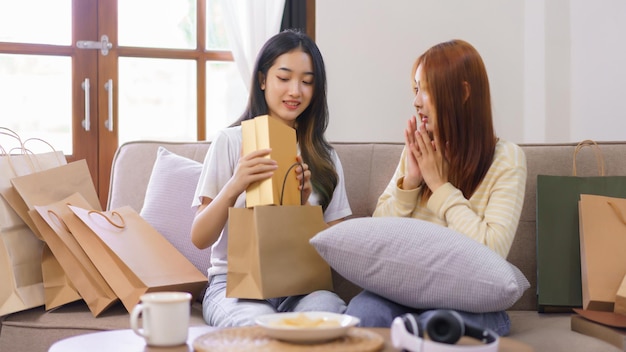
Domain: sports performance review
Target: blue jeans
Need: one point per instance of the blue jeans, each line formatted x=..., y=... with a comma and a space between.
x=377, y=311
x=220, y=311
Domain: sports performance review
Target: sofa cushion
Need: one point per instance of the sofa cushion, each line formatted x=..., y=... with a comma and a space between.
x=167, y=205
x=420, y=264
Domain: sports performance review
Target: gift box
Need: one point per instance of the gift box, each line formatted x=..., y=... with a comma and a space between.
x=282, y=188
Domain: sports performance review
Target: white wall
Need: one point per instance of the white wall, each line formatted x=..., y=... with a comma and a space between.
x=557, y=68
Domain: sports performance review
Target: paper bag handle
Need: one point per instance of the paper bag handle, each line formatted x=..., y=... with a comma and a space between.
x=8, y=154
x=596, y=150
x=22, y=148
x=110, y=219
x=27, y=151
x=9, y=132
x=52, y=214
x=282, y=191
x=617, y=212
x=3, y=151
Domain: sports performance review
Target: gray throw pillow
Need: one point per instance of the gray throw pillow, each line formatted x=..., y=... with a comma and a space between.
x=167, y=205
x=420, y=264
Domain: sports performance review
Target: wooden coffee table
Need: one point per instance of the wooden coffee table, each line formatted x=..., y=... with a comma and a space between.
x=127, y=341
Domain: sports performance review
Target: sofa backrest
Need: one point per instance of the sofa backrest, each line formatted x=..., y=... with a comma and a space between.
x=132, y=167
x=368, y=168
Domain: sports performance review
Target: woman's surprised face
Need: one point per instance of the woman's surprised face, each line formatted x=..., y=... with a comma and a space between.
x=423, y=103
x=289, y=86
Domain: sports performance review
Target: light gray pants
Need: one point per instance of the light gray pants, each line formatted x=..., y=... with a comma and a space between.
x=220, y=311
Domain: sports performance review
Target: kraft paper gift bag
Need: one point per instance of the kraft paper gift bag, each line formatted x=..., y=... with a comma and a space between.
x=132, y=256
x=20, y=209
x=26, y=164
x=55, y=184
x=602, y=248
x=20, y=250
x=559, y=283
x=20, y=269
x=268, y=132
x=620, y=298
x=269, y=254
x=49, y=186
x=73, y=260
x=58, y=289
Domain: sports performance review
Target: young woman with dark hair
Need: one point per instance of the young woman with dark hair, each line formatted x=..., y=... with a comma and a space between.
x=289, y=83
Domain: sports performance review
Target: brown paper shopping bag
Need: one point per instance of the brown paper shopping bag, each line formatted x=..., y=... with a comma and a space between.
x=602, y=244
x=20, y=269
x=269, y=254
x=49, y=186
x=268, y=132
x=20, y=250
x=620, y=298
x=57, y=286
x=26, y=164
x=132, y=256
x=55, y=184
x=20, y=208
x=73, y=260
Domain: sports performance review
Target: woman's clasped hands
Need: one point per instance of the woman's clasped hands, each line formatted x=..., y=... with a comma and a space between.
x=426, y=162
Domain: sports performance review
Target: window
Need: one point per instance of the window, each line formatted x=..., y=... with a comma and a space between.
x=144, y=69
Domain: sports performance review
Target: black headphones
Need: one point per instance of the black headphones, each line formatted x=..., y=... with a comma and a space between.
x=444, y=328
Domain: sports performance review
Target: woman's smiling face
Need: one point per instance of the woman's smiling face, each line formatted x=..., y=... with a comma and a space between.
x=423, y=103
x=288, y=86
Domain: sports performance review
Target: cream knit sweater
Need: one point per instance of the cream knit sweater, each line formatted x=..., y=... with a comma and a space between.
x=490, y=216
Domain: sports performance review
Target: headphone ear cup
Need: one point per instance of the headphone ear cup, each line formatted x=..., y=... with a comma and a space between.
x=411, y=323
x=445, y=327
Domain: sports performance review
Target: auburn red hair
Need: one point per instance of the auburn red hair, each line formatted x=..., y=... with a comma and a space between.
x=452, y=70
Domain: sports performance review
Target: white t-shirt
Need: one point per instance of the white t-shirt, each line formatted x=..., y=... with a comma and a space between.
x=219, y=167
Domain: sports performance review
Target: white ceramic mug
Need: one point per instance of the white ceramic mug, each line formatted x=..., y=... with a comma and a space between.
x=165, y=318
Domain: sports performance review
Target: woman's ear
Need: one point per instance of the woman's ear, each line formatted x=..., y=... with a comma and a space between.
x=467, y=89
x=261, y=78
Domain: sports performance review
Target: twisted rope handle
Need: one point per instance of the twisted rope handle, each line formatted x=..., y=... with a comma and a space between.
x=30, y=156
x=282, y=191
x=9, y=132
x=617, y=211
x=596, y=150
x=27, y=151
x=109, y=219
x=7, y=154
x=60, y=221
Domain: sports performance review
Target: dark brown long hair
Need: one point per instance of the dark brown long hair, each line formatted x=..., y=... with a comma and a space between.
x=465, y=123
x=312, y=123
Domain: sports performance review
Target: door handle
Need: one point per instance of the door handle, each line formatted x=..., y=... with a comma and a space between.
x=109, y=122
x=87, y=120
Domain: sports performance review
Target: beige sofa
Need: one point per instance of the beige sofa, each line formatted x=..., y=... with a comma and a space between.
x=367, y=167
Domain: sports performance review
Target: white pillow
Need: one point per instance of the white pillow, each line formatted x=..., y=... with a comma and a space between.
x=167, y=205
x=420, y=264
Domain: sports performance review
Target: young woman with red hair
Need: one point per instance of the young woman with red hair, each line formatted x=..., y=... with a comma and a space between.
x=454, y=171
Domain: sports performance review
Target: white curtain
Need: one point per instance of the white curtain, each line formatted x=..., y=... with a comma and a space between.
x=249, y=24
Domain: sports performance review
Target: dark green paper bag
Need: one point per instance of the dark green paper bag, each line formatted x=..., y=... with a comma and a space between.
x=558, y=242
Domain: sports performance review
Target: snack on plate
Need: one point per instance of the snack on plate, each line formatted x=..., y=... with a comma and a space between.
x=303, y=321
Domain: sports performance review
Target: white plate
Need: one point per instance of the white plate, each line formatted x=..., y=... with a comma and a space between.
x=307, y=327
